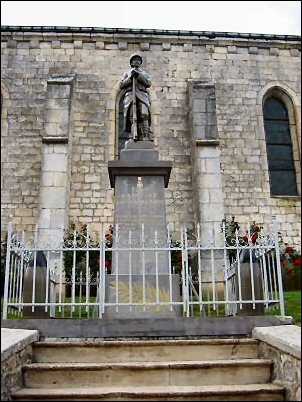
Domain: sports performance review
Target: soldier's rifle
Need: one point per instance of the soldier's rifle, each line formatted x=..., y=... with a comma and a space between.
x=134, y=125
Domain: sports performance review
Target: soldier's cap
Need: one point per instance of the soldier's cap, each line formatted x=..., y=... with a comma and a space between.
x=135, y=55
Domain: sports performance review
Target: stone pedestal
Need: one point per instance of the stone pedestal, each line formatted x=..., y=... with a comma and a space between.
x=35, y=275
x=246, y=285
x=139, y=179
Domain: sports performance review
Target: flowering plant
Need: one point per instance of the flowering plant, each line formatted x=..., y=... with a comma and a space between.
x=80, y=239
x=231, y=228
x=232, y=236
x=290, y=258
x=176, y=257
x=108, y=253
x=291, y=262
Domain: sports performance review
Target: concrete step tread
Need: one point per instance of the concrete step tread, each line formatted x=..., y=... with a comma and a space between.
x=154, y=342
x=152, y=390
x=95, y=350
x=148, y=365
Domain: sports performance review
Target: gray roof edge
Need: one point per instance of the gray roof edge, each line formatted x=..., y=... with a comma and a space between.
x=181, y=33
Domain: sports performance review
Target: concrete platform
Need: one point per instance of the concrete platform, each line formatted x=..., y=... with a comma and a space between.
x=146, y=327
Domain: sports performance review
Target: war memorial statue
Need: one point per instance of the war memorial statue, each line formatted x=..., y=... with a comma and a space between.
x=141, y=273
x=137, y=102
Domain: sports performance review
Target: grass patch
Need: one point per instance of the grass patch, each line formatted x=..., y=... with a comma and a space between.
x=80, y=311
x=77, y=311
x=292, y=303
x=292, y=306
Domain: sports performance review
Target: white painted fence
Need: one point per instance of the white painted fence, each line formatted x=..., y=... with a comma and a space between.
x=207, y=281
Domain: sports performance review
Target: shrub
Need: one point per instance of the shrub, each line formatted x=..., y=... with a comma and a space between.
x=291, y=262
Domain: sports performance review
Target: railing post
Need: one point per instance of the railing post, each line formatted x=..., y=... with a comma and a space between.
x=185, y=272
x=143, y=265
x=279, y=276
x=170, y=268
x=102, y=273
x=87, y=271
x=7, y=263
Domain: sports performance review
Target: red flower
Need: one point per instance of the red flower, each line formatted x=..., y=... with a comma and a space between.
x=283, y=264
x=245, y=238
x=289, y=249
x=107, y=263
x=254, y=239
x=108, y=235
x=179, y=255
x=290, y=271
x=298, y=261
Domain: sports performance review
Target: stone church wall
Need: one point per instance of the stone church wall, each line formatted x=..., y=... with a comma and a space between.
x=215, y=139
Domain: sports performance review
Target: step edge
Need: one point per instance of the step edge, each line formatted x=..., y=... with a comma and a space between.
x=150, y=364
x=93, y=342
x=229, y=389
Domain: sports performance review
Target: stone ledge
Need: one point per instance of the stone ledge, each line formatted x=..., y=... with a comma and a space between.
x=14, y=340
x=286, y=338
x=207, y=142
x=55, y=140
x=146, y=327
x=160, y=168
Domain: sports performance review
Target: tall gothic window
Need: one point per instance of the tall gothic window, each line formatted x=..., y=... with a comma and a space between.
x=282, y=173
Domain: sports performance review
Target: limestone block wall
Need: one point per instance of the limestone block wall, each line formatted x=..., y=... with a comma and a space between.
x=287, y=369
x=238, y=69
x=16, y=351
x=11, y=372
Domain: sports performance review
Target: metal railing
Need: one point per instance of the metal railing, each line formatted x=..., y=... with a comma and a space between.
x=143, y=279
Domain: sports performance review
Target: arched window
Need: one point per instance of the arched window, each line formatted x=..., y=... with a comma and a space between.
x=282, y=173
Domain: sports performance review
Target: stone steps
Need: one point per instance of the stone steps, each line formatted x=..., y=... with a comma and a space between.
x=159, y=370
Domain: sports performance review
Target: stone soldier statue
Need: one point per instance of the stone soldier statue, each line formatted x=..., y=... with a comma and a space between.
x=137, y=102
